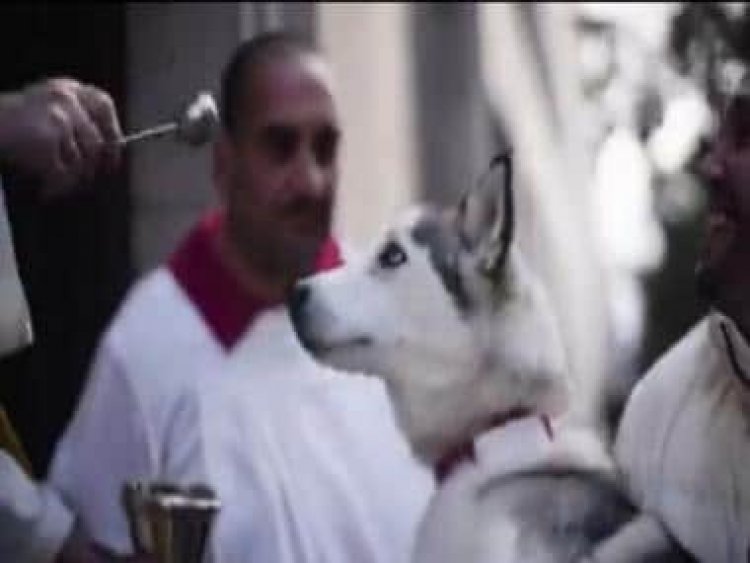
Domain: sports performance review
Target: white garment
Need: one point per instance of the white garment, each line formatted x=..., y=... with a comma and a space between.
x=15, y=321
x=308, y=463
x=684, y=442
x=33, y=522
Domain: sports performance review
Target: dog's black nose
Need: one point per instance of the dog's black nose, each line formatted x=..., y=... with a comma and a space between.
x=300, y=296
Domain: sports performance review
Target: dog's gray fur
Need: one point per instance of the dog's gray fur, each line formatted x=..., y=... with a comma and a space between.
x=444, y=246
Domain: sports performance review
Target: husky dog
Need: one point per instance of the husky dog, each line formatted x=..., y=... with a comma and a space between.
x=447, y=312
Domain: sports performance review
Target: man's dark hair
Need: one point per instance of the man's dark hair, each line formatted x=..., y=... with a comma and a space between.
x=246, y=57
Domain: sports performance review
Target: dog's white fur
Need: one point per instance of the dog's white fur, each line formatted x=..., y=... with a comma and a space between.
x=452, y=367
x=413, y=328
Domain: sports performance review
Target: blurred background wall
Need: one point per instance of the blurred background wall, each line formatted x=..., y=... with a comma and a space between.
x=604, y=104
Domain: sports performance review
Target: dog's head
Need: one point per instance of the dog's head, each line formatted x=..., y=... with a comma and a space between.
x=446, y=311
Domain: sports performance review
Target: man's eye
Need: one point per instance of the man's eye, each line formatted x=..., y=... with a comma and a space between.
x=325, y=147
x=281, y=143
x=392, y=256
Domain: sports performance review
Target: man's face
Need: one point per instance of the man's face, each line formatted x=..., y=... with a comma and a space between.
x=723, y=269
x=279, y=174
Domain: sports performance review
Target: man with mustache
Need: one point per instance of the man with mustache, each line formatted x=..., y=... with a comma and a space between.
x=683, y=444
x=200, y=378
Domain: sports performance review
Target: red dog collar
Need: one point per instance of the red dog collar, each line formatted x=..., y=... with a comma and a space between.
x=466, y=451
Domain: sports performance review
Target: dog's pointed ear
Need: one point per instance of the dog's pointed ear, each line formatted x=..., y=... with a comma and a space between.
x=485, y=216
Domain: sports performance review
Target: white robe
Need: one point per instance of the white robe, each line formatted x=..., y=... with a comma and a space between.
x=15, y=320
x=33, y=522
x=684, y=442
x=308, y=462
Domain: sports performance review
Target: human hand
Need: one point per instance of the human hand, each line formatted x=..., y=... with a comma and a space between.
x=59, y=131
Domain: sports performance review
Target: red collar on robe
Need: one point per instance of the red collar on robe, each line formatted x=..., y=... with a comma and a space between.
x=225, y=305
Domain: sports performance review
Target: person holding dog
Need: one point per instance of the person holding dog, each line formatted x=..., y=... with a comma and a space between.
x=683, y=442
x=201, y=378
x=58, y=132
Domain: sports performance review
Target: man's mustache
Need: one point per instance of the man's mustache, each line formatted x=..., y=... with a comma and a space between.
x=303, y=205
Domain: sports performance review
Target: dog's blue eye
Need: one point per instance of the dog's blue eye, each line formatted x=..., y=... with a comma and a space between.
x=392, y=256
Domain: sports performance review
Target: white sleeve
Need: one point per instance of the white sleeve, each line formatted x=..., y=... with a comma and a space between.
x=634, y=445
x=33, y=522
x=15, y=320
x=646, y=429
x=105, y=445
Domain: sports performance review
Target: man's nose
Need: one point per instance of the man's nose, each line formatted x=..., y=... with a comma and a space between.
x=310, y=177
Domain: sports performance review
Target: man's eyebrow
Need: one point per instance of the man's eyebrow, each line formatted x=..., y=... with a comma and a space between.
x=278, y=127
x=285, y=127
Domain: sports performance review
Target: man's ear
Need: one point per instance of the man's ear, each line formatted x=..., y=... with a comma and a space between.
x=485, y=216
